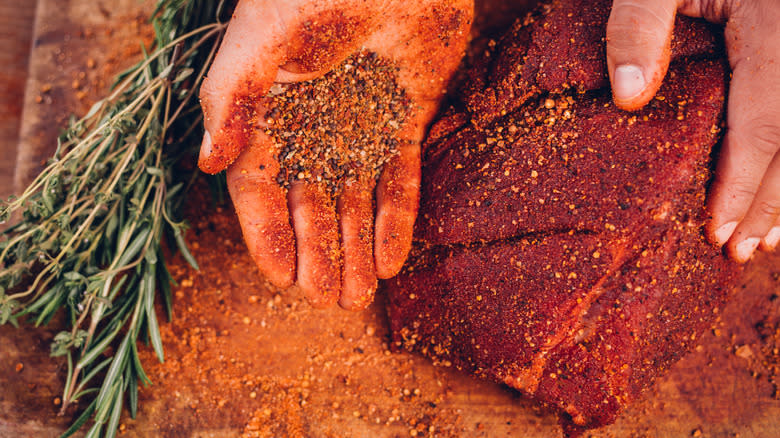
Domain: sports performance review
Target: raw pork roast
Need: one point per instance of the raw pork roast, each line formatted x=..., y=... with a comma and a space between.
x=559, y=245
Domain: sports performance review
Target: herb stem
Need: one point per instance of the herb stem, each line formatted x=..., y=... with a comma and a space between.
x=89, y=238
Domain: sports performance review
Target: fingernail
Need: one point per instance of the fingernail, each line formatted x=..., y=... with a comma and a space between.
x=772, y=238
x=746, y=248
x=205, y=147
x=725, y=231
x=629, y=81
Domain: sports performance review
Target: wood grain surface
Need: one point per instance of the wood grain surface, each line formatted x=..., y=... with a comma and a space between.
x=77, y=47
x=244, y=359
x=16, y=28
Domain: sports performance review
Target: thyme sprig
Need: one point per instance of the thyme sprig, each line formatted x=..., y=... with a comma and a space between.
x=88, y=243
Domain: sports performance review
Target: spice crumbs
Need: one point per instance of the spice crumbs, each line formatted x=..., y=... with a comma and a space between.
x=343, y=125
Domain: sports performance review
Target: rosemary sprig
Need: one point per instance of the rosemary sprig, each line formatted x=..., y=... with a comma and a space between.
x=89, y=239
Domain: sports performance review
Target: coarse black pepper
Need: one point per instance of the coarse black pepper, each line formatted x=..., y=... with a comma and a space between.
x=341, y=126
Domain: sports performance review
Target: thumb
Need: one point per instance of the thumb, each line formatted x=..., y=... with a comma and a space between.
x=639, y=35
x=242, y=72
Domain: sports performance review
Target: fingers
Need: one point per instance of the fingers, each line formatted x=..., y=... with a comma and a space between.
x=356, y=211
x=744, y=199
x=261, y=206
x=240, y=75
x=772, y=238
x=760, y=218
x=427, y=60
x=425, y=40
x=638, y=49
x=313, y=212
x=397, y=198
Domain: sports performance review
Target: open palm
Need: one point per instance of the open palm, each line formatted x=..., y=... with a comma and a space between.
x=294, y=234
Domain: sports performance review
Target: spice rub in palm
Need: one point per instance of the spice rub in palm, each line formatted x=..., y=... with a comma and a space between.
x=341, y=126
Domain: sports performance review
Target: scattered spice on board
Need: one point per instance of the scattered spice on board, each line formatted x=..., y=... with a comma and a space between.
x=764, y=357
x=309, y=370
x=343, y=125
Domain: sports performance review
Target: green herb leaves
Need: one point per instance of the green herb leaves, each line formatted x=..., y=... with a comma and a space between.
x=92, y=224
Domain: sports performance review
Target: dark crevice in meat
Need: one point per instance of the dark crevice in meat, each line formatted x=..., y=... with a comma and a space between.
x=535, y=236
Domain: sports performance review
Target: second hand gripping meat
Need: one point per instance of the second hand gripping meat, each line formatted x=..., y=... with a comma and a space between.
x=559, y=245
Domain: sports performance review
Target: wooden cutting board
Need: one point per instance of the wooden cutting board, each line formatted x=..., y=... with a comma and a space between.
x=16, y=24
x=245, y=359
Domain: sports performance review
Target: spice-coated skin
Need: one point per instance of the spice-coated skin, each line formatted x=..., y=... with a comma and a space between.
x=341, y=126
x=560, y=241
x=290, y=235
x=274, y=40
x=332, y=133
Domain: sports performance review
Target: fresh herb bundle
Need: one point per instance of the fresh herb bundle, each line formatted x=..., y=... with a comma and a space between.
x=89, y=239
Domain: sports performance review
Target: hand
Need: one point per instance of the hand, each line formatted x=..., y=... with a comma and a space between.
x=303, y=233
x=744, y=199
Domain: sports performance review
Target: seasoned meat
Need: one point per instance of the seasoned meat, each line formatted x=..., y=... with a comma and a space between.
x=559, y=243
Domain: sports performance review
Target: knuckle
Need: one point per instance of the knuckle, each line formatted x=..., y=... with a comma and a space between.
x=211, y=95
x=208, y=89
x=743, y=9
x=761, y=135
x=769, y=208
x=712, y=10
x=213, y=91
x=737, y=192
x=638, y=19
x=743, y=188
x=248, y=181
x=410, y=185
x=630, y=33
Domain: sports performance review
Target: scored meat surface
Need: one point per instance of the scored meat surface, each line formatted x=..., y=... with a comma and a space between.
x=559, y=245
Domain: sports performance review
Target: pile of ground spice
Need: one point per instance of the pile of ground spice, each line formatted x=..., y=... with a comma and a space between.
x=342, y=125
